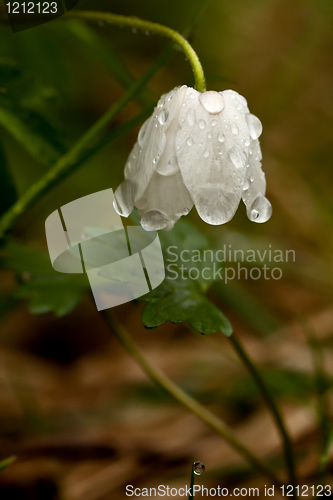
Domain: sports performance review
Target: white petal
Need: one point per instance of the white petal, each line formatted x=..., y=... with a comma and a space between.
x=147, y=152
x=258, y=208
x=165, y=200
x=212, y=155
x=123, y=199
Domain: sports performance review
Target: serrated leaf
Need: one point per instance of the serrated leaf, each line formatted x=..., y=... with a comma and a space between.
x=7, y=189
x=51, y=296
x=179, y=304
x=47, y=290
x=182, y=298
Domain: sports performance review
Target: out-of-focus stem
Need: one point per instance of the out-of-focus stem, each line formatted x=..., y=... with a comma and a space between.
x=191, y=404
x=150, y=27
x=271, y=406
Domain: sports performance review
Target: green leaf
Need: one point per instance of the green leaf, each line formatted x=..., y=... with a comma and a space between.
x=181, y=298
x=23, y=102
x=178, y=303
x=6, y=463
x=51, y=296
x=47, y=290
x=7, y=189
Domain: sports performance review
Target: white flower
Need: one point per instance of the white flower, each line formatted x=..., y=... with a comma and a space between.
x=197, y=149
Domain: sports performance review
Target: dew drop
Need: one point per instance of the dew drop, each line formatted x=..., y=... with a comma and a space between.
x=212, y=101
x=206, y=153
x=214, y=123
x=192, y=96
x=236, y=157
x=163, y=116
x=247, y=142
x=239, y=107
x=261, y=209
x=189, y=142
x=221, y=137
x=198, y=468
x=254, y=125
x=246, y=185
x=236, y=117
x=209, y=135
x=234, y=129
x=200, y=144
x=202, y=124
x=254, y=214
x=142, y=133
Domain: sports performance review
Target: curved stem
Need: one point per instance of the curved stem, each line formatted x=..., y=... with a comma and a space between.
x=143, y=25
x=85, y=146
x=191, y=404
x=271, y=406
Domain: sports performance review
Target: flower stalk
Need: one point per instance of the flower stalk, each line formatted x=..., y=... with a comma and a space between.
x=190, y=403
x=81, y=151
x=248, y=363
x=147, y=26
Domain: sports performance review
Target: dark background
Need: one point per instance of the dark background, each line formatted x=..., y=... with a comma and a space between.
x=81, y=417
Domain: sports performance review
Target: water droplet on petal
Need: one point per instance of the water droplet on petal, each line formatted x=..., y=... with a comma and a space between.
x=206, y=153
x=212, y=101
x=247, y=142
x=198, y=468
x=261, y=209
x=202, y=124
x=142, y=133
x=209, y=135
x=246, y=185
x=214, y=123
x=163, y=116
x=189, y=142
x=192, y=96
x=221, y=137
x=234, y=129
x=254, y=125
x=236, y=117
x=236, y=157
x=191, y=117
x=254, y=215
x=239, y=106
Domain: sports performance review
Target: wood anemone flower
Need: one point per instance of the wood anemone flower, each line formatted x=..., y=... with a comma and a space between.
x=197, y=149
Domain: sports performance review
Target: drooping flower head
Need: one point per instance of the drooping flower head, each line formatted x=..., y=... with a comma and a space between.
x=197, y=149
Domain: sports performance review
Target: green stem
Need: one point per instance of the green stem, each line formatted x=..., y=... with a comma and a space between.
x=190, y=497
x=143, y=25
x=191, y=404
x=271, y=406
x=85, y=146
